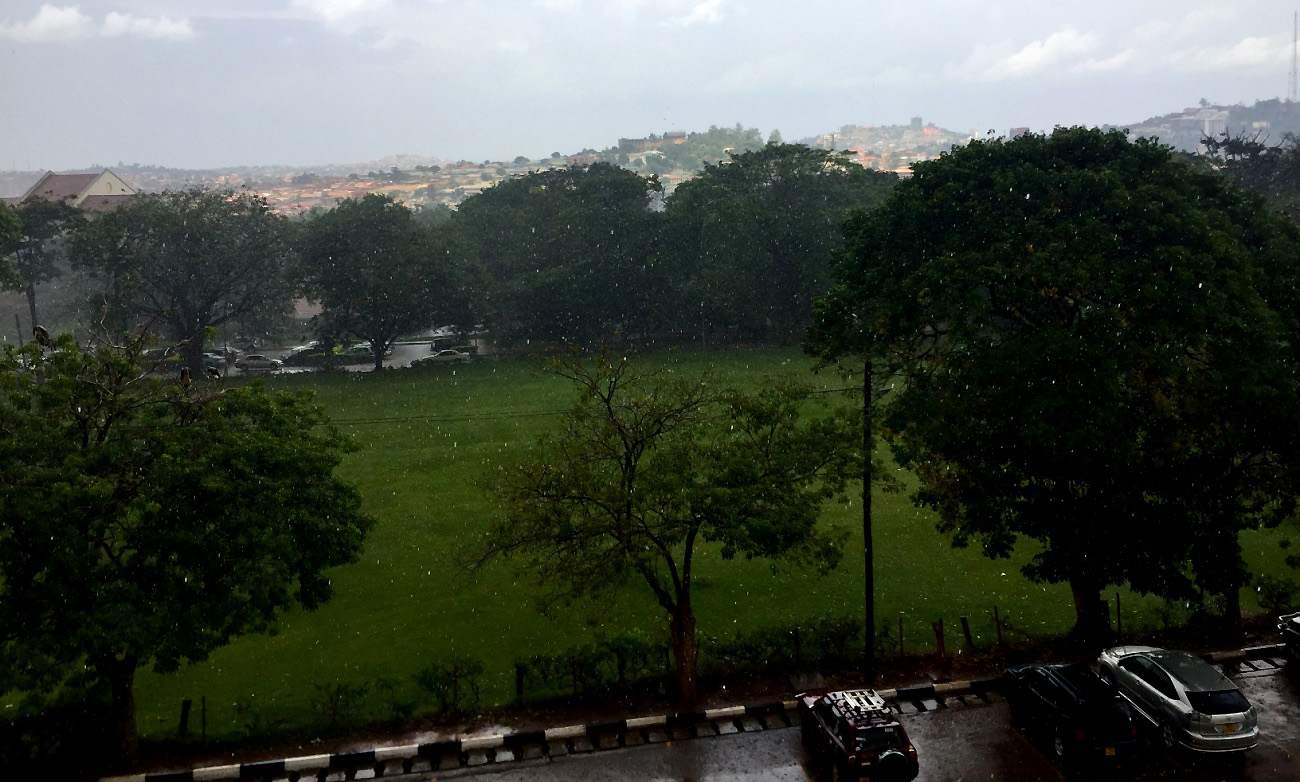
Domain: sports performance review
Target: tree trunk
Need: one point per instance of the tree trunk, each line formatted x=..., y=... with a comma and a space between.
x=1232, y=611
x=121, y=679
x=192, y=354
x=1091, y=621
x=31, y=304
x=685, y=657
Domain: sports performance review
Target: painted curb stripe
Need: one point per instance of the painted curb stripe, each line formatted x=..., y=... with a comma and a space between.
x=482, y=742
x=307, y=761
x=264, y=769
x=397, y=753
x=919, y=693
x=729, y=713
x=567, y=732
x=216, y=772
x=949, y=688
x=517, y=741
x=437, y=749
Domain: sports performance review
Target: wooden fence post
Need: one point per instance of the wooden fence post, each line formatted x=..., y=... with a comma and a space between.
x=965, y=631
x=997, y=623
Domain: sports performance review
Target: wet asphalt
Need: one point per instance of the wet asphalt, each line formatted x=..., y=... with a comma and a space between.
x=956, y=743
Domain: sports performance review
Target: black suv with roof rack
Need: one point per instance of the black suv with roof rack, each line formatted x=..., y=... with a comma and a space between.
x=852, y=735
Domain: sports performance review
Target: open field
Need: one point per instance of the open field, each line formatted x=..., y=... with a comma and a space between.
x=431, y=441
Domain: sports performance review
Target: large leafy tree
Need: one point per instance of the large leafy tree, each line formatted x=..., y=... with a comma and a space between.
x=1074, y=317
x=567, y=253
x=10, y=230
x=754, y=236
x=379, y=273
x=1272, y=170
x=649, y=466
x=189, y=261
x=143, y=523
x=40, y=247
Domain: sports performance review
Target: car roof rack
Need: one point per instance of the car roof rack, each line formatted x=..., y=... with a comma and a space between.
x=865, y=702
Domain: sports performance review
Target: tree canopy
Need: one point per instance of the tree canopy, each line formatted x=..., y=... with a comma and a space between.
x=754, y=236
x=40, y=246
x=1075, y=319
x=379, y=273
x=10, y=230
x=189, y=260
x=143, y=523
x=650, y=465
x=565, y=253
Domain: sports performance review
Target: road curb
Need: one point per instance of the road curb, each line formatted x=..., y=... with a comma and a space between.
x=570, y=739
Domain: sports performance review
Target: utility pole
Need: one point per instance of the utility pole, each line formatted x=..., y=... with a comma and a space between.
x=868, y=550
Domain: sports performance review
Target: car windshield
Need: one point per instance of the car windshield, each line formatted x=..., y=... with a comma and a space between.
x=1089, y=686
x=877, y=739
x=1192, y=671
x=1220, y=702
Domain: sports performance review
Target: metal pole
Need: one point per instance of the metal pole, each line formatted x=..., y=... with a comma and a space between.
x=868, y=551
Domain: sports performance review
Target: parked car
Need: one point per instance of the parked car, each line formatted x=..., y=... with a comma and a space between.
x=1289, y=626
x=1188, y=700
x=256, y=362
x=851, y=734
x=447, y=357
x=1082, y=715
x=362, y=350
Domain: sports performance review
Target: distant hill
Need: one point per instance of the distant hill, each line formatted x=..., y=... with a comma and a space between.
x=1270, y=120
x=158, y=178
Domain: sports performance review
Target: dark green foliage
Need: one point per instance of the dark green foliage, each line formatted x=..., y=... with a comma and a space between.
x=40, y=247
x=143, y=523
x=453, y=684
x=821, y=644
x=648, y=465
x=1092, y=346
x=753, y=238
x=10, y=231
x=188, y=261
x=566, y=254
x=1272, y=170
x=379, y=273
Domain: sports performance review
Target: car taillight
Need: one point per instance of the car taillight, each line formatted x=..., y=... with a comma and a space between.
x=911, y=751
x=1133, y=729
x=1079, y=734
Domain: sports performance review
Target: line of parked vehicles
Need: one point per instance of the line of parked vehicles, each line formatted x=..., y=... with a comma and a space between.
x=1086, y=712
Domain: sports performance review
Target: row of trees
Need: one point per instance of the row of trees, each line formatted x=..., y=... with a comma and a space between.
x=145, y=523
x=1071, y=339
x=577, y=255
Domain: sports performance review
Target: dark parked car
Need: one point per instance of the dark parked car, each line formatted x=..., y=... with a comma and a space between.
x=1188, y=701
x=1289, y=626
x=1073, y=707
x=852, y=735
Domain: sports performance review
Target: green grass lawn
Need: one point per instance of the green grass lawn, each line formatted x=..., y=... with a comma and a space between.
x=431, y=441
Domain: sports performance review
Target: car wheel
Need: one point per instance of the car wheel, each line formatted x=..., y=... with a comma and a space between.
x=893, y=766
x=1167, y=737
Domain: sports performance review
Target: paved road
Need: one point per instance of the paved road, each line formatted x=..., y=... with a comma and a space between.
x=960, y=743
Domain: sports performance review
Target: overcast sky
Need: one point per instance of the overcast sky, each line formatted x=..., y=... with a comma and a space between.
x=206, y=83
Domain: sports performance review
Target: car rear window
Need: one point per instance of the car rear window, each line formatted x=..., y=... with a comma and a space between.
x=1221, y=702
x=877, y=739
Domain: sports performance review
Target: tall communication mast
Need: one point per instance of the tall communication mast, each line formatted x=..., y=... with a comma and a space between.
x=1295, y=36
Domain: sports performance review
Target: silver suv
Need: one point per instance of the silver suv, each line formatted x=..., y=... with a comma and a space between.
x=1184, y=697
